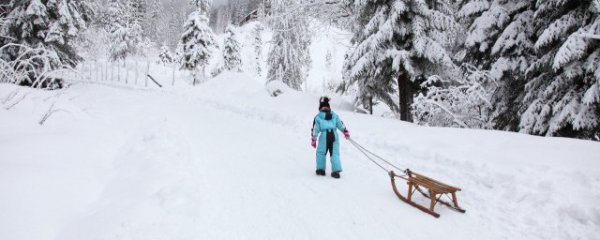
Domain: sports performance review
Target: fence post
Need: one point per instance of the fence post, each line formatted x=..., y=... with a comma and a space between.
x=126, y=72
x=112, y=71
x=146, y=75
x=136, y=72
x=118, y=72
x=173, y=76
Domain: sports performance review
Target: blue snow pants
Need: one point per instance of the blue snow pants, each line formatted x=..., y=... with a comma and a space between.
x=331, y=147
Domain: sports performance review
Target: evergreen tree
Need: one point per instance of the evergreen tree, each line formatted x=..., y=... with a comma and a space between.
x=258, y=42
x=289, y=57
x=51, y=25
x=165, y=55
x=197, y=40
x=125, y=32
x=231, y=50
x=329, y=77
x=562, y=94
x=397, y=43
x=137, y=10
x=203, y=6
x=499, y=41
x=328, y=60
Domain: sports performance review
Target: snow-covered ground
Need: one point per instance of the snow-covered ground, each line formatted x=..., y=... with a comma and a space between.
x=224, y=160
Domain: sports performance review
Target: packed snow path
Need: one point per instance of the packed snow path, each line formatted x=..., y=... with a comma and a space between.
x=226, y=161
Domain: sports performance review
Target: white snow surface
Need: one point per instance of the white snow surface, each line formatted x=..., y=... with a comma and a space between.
x=224, y=160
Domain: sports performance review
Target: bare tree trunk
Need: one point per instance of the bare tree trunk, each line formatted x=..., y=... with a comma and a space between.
x=405, y=94
x=371, y=105
x=194, y=75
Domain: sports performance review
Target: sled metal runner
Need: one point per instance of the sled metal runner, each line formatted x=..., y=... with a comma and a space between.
x=435, y=191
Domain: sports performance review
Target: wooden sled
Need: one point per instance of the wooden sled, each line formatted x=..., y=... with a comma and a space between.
x=436, y=189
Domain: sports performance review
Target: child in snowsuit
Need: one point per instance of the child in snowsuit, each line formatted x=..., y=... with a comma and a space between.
x=324, y=129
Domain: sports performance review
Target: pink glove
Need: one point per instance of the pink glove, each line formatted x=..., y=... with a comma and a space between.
x=314, y=142
x=346, y=133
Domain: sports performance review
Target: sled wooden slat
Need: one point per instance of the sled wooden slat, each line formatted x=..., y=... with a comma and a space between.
x=432, y=184
x=435, y=190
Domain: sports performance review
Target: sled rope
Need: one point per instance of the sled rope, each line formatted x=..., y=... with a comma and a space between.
x=370, y=156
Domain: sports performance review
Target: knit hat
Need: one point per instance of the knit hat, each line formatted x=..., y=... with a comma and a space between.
x=324, y=102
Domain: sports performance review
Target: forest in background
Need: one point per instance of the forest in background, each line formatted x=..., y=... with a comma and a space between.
x=528, y=66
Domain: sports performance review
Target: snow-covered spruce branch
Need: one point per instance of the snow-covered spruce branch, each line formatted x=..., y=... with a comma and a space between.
x=455, y=118
x=464, y=102
x=7, y=37
x=37, y=62
x=590, y=35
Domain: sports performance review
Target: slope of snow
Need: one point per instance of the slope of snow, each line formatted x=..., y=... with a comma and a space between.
x=225, y=160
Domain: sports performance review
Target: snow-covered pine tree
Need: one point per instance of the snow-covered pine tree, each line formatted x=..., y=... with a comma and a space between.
x=258, y=42
x=125, y=32
x=52, y=25
x=563, y=91
x=231, y=50
x=165, y=55
x=196, y=41
x=289, y=58
x=203, y=6
x=512, y=53
x=137, y=9
x=178, y=54
x=397, y=43
x=328, y=78
x=499, y=41
x=484, y=21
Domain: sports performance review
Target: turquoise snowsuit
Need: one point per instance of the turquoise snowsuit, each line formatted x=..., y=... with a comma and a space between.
x=325, y=129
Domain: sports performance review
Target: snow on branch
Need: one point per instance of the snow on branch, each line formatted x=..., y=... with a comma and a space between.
x=590, y=35
x=33, y=66
x=463, y=103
